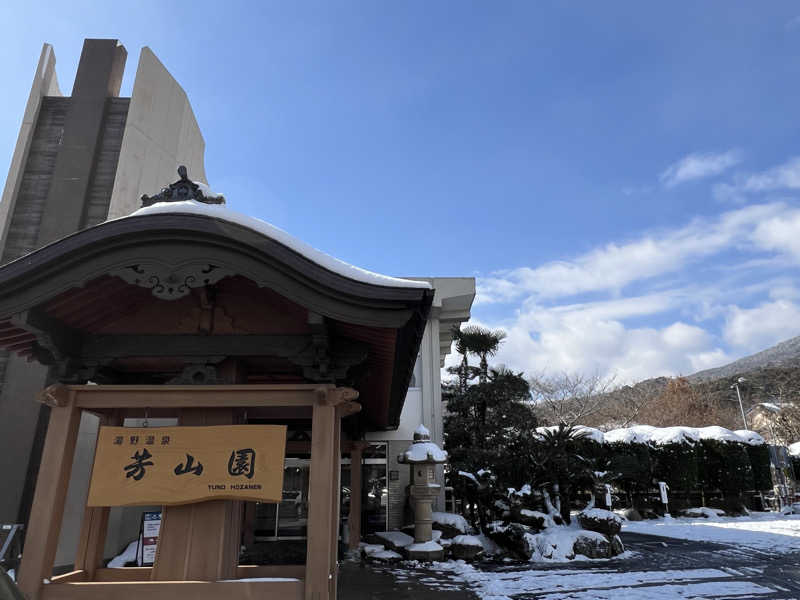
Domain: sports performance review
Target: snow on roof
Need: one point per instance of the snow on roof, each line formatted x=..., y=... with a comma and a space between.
x=220, y=211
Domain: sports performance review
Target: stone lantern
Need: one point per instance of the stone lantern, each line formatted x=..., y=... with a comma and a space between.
x=423, y=456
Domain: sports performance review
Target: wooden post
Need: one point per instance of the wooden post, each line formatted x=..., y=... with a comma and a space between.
x=47, y=511
x=354, y=520
x=320, y=500
x=94, y=527
x=336, y=495
x=200, y=542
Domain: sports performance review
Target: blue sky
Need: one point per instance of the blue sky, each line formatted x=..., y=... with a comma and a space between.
x=621, y=177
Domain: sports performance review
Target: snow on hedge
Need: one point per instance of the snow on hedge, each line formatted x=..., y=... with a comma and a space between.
x=221, y=212
x=638, y=434
x=659, y=436
x=750, y=437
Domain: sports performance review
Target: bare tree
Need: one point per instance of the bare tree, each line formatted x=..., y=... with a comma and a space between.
x=681, y=403
x=569, y=398
x=786, y=423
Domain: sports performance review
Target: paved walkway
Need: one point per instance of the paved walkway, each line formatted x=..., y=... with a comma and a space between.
x=656, y=567
x=372, y=582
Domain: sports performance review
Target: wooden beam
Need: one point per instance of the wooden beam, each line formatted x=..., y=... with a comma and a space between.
x=51, y=334
x=123, y=574
x=253, y=571
x=131, y=574
x=203, y=396
x=55, y=395
x=175, y=590
x=72, y=576
x=113, y=346
x=47, y=511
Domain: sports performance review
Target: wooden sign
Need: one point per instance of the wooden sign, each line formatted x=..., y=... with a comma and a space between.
x=181, y=465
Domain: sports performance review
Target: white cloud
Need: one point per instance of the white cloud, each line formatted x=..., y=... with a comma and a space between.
x=785, y=176
x=742, y=297
x=556, y=340
x=612, y=267
x=754, y=329
x=780, y=233
x=699, y=166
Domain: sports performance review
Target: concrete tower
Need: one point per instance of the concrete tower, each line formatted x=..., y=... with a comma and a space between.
x=80, y=160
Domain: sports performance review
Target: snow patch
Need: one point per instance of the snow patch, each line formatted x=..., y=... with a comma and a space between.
x=126, y=556
x=467, y=540
x=424, y=547
x=565, y=584
x=772, y=532
x=370, y=549
x=386, y=555
x=602, y=515
x=396, y=538
x=456, y=521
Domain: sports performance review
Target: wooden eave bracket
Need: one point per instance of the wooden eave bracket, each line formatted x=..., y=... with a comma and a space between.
x=55, y=395
x=336, y=396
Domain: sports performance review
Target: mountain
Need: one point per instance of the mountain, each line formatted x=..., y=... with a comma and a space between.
x=708, y=397
x=785, y=355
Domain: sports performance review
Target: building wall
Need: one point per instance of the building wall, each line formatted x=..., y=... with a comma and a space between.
x=45, y=83
x=161, y=133
x=398, y=508
x=423, y=404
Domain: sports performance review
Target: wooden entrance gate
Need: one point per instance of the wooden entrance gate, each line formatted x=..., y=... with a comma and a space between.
x=198, y=547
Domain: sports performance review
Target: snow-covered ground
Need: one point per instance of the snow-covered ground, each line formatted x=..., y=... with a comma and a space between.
x=753, y=566
x=569, y=584
x=760, y=530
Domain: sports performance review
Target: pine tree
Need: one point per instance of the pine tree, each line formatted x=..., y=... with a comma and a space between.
x=488, y=424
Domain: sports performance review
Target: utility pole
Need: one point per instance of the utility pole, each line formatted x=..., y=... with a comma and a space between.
x=739, y=395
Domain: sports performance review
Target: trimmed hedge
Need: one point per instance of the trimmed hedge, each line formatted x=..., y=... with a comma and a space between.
x=706, y=467
x=759, y=461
